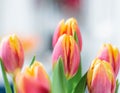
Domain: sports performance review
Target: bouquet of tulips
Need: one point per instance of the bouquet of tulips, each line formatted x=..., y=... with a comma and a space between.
x=67, y=77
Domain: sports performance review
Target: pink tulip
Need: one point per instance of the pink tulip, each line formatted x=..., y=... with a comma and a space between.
x=100, y=77
x=12, y=53
x=69, y=27
x=110, y=54
x=68, y=50
x=33, y=80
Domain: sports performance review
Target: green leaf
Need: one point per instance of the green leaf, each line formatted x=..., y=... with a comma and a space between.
x=59, y=84
x=81, y=86
x=117, y=86
x=75, y=36
x=33, y=59
x=72, y=82
x=7, y=85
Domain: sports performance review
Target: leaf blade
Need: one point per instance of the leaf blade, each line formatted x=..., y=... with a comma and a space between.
x=59, y=79
x=80, y=88
x=74, y=80
x=33, y=59
x=117, y=86
x=7, y=85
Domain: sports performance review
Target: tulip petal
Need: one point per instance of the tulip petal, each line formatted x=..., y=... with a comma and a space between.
x=110, y=54
x=100, y=77
x=33, y=80
x=68, y=27
x=68, y=50
x=12, y=53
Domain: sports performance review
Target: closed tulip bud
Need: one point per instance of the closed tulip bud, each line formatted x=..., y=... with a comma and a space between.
x=12, y=53
x=68, y=50
x=69, y=27
x=100, y=77
x=110, y=54
x=34, y=79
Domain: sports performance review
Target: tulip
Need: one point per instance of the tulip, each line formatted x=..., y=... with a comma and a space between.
x=70, y=4
x=100, y=77
x=110, y=54
x=69, y=27
x=68, y=50
x=34, y=79
x=12, y=53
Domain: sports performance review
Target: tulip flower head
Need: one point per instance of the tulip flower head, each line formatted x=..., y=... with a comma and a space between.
x=69, y=27
x=68, y=50
x=33, y=80
x=100, y=77
x=12, y=53
x=110, y=54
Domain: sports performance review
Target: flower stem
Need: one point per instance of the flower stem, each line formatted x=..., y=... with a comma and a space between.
x=14, y=85
x=7, y=85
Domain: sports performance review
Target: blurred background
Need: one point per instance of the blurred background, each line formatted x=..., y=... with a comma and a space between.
x=35, y=21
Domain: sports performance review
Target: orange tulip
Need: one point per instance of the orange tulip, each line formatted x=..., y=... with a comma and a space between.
x=68, y=50
x=100, y=77
x=33, y=80
x=12, y=53
x=110, y=54
x=69, y=27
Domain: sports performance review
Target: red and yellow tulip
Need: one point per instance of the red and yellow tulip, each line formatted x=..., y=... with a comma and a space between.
x=12, y=53
x=68, y=50
x=69, y=27
x=110, y=54
x=33, y=80
x=100, y=77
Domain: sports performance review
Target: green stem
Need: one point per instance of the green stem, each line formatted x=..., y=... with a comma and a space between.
x=7, y=85
x=14, y=85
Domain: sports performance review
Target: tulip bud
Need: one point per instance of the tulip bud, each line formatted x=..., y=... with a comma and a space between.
x=100, y=77
x=110, y=54
x=33, y=80
x=12, y=54
x=68, y=50
x=69, y=27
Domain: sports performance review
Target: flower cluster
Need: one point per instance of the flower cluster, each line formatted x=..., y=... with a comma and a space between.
x=33, y=79
x=67, y=45
x=103, y=70
x=67, y=77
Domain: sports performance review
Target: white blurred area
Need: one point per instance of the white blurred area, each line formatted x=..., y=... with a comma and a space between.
x=36, y=20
